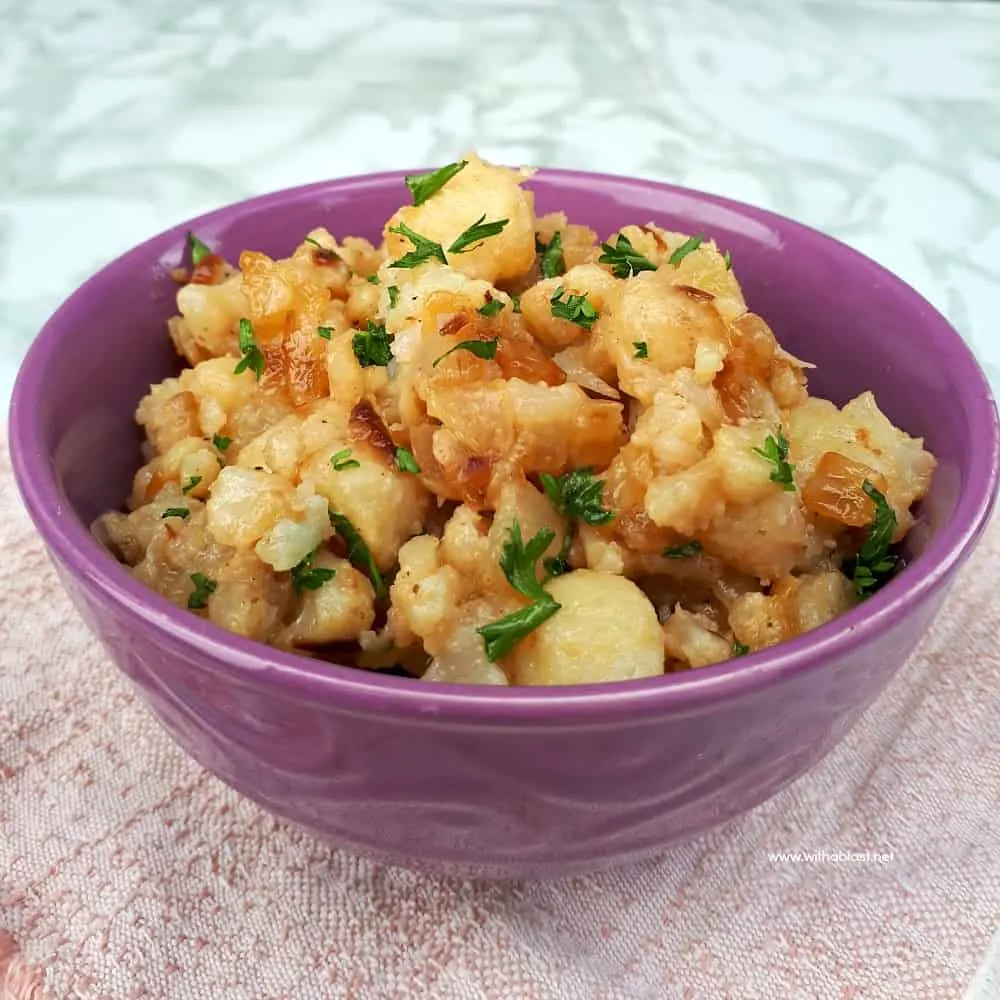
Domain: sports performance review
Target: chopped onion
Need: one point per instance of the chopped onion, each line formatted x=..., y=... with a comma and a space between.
x=577, y=372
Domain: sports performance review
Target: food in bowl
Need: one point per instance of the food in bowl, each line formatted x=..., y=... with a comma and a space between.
x=497, y=450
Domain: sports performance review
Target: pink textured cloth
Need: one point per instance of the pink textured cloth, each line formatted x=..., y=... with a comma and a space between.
x=126, y=871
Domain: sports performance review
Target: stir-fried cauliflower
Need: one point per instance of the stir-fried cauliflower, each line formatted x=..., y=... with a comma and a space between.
x=495, y=450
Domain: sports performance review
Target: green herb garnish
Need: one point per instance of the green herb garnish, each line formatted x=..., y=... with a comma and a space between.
x=372, y=279
x=393, y=291
x=688, y=246
x=199, y=250
x=423, y=248
x=518, y=562
x=576, y=309
x=728, y=261
x=406, y=461
x=874, y=565
x=485, y=349
x=341, y=460
x=686, y=551
x=190, y=484
x=220, y=442
x=641, y=348
x=423, y=186
x=307, y=577
x=358, y=552
x=516, y=299
x=577, y=495
x=252, y=356
x=624, y=259
x=326, y=332
x=740, y=648
x=372, y=346
x=775, y=450
x=181, y=512
x=491, y=308
x=551, y=263
x=315, y=243
x=203, y=587
x=476, y=233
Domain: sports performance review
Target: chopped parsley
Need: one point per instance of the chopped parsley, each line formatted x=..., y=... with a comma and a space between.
x=476, y=233
x=221, y=442
x=190, y=484
x=518, y=562
x=372, y=279
x=406, y=461
x=203, y=587
x=393, y=291
x=551, y=263
x=181, y=512
x=305, y=576
x=576, y=309
x=740, y=648
x=641, y=348
x=326, y=332
x=775, y=450
x=624, y=259
x=874, y=565
x=358, y=552
x=423, y=248
x=372, y=346
x=516, y=299
x=686, y=551
x=728, y=261
x=485, y=349
x=577, y=495
x=688, y=246
x=315, y=243
x=252, y=356
x=341, y=460
x=491, y=307
x=199, y=250
x=424, y=186
x=558, y=564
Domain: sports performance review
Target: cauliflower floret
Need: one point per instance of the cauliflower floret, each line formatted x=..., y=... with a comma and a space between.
x=689, y=639
x=461, y=658
x=191, y=465
x=605, y=630
x=338, y=610
x=536, y=303
x=245, y=504
x=479, y=192
x=211, y=315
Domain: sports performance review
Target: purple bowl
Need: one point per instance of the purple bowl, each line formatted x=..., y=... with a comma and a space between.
x=518, y=782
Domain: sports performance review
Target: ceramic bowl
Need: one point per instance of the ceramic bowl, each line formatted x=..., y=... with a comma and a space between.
x=509, y=782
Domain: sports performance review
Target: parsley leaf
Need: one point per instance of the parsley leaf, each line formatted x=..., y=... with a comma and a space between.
x=728, y=261
x=199, y=250
x=775, y=450
x=491, y=307
x=181, y=512
x=552, y=263
x=190, y=484
x=423, y=248
x=740, y=648
x=576, y=308
x=372, y=279
x=406, y=461
x=424, y=186
x=203, y=587
x=307, y=577
x=341, y=460
x=393, y=291
x=641, y=348
x=252, y=356
x=689, y=245
x=516, y=299
x=485, y=349
x=371, y=346
x=315, y=243
x=518, y=562
x=358, y=551
x=220, y=442
x=326, y=332
x=686, y=551
x=476, y=233
x=624, y=259
x=577, y=495
x=559, y=564
x=874, y=565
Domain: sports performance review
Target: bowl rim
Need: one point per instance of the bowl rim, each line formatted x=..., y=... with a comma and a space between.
x=306, y=679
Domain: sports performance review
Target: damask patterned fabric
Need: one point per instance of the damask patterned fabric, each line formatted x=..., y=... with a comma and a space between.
x=126, y=871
